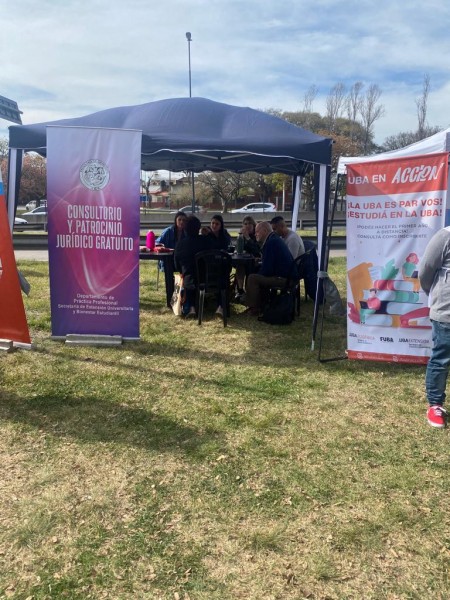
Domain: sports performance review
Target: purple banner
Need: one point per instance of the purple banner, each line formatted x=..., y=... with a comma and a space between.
x=93, y=180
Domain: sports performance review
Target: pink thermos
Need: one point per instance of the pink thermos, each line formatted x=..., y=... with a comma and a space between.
x=150, y=240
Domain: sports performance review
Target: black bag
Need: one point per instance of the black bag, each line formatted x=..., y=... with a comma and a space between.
x=279, y=310
x=310, y=268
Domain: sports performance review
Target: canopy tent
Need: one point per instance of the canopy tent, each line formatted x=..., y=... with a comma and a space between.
x=198, y=134
x=439, y=142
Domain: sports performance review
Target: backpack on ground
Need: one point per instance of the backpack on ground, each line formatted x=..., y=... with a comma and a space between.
x=279, y=309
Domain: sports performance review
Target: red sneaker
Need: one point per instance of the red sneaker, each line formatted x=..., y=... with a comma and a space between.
x=437, y=416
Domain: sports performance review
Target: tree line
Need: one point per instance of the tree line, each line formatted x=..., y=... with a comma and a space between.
x=349, y=119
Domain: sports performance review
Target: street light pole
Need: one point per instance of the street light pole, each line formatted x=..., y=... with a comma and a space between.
x=189, y=40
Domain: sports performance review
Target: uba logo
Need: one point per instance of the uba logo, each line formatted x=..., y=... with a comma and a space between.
x=94, y=174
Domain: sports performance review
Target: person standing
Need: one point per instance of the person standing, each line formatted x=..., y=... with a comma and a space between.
x=434, y=277
x=292, y=240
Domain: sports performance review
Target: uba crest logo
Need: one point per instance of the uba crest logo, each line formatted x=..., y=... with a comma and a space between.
x=94, y=174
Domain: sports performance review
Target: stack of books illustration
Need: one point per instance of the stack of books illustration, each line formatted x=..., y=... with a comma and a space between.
x=392, y=302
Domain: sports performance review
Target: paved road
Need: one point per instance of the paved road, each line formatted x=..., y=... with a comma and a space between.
x=42, y=255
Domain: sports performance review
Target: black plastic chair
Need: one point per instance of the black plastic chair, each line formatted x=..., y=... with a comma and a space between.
x=300, y=263
x=213, y=268
x=309, y=269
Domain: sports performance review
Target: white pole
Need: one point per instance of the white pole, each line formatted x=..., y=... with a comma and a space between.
x=12, y=173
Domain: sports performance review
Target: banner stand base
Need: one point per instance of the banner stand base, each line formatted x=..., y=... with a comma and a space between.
x=10, y=345
x=6, y=345
x=78, y=339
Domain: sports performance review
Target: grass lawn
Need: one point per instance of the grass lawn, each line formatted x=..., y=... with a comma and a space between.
x=216, y=464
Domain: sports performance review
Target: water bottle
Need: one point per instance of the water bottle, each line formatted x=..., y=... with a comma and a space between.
x=240, y=244
x=150, y=241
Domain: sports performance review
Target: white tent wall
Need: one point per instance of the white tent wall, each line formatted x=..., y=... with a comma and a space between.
x=439, y=142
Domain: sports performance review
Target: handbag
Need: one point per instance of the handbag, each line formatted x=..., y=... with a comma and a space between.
x=177, y=299
x=279, y=310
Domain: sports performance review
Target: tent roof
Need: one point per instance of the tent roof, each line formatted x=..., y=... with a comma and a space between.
x=182, y=134
x=439, y=142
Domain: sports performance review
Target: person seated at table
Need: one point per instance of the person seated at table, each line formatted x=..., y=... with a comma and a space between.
x=219, y=235
x=185, y=252
x=174, y=233
x=276, y=265
x=252, y=247
x=292, y=240
x=171, y=235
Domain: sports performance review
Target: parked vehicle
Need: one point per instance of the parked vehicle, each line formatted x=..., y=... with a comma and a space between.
x=34, y=203
x=40, y=210
x=19, y=223
x=255, y=207
x=188, y=210
x=37, y=216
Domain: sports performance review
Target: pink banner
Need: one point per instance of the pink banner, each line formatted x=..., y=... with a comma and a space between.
x=393, y=209
x=93, y=180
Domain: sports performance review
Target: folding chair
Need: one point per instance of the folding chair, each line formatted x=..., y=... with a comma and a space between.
x=213, y=268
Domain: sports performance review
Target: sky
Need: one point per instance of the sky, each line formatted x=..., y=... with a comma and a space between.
x=68, y=58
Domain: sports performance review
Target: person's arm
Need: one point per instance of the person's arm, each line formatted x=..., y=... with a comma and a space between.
x=293, y=243
x=433, y=259
x=267, y=265
x=302, y=247
x=177, y=256
x=164, y=237
x=252, y=247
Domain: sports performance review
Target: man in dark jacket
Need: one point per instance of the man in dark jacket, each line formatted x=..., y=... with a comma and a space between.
x=434, y=276
x=185, y=252
x=276, y=265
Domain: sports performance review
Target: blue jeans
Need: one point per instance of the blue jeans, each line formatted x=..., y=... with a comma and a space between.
x=439, y=363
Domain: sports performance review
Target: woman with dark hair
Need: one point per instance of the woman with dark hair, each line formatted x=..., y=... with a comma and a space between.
x=184, y=256
x=174, y=233
x=220, y=236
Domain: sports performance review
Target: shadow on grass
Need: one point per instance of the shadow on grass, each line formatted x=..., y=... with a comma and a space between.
x=29, y=272
x=91, y=420
x=259, y=386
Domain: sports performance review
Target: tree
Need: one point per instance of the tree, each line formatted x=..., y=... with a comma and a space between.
x=4, y=159
x=33, y=181
x=3, y=148
x=335, y=104
x=370, y=111
x=422, y=107
x=405, y=138
x=264, y=186
x=226, y=186
x=354, y=102
x=309, y=97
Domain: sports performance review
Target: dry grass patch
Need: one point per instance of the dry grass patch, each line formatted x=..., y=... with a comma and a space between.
x=216, y=464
